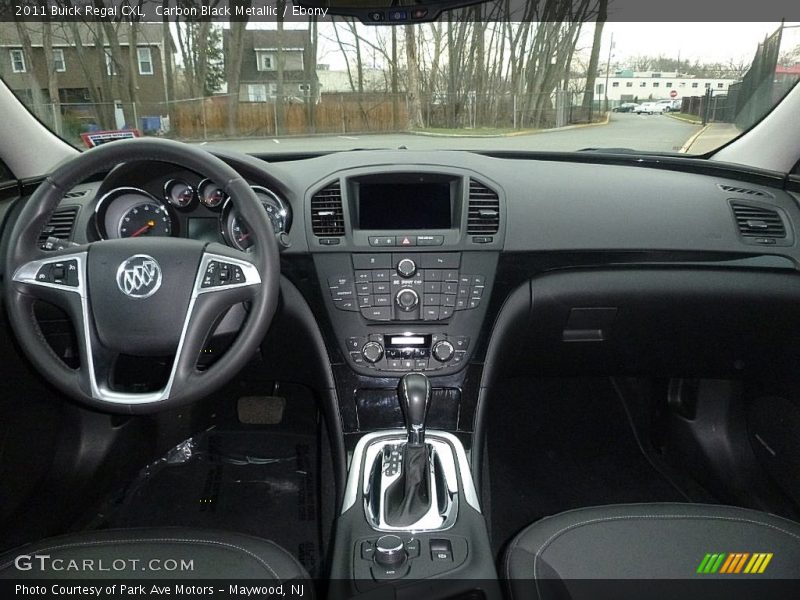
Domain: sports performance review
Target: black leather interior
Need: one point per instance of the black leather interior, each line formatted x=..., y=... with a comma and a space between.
x=647, y=541
x=213, y=554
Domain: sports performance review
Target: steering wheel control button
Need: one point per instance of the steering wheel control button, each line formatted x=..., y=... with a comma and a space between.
x=59, y=273
x=139, y=276
x=406, y=268
x=220, y=274
x=443, y=351
x=372, y=352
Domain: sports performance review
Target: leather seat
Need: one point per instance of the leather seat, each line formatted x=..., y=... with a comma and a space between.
x=646, y=542
x=153, y=553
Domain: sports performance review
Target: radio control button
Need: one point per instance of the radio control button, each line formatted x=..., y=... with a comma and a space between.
x=451, y=276
x=445, y=312
x=407, y=299
x=372, y=261
x=377, y=313
x=382, y=300
x=441, y=260
x=443, y=351
x=381, y=275
x=372, y=352
x=430, y=313
x=364, y=301
x=381, y=288
x=433, y=287
x=406, y=268
x=363, y=276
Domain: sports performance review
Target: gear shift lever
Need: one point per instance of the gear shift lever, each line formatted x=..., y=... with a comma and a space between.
x=414, y=393
x=408, y=498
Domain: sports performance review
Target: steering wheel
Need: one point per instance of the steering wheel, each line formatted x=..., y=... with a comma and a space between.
x=147, y=297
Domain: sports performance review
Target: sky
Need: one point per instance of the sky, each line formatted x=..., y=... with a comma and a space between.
x=706, y=42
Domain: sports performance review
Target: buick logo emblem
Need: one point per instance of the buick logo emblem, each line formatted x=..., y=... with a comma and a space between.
x=139, y=276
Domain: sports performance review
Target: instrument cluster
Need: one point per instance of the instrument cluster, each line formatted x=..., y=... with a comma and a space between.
x=201, y=210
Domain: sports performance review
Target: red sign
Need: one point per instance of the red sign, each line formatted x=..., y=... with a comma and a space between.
x=673, y=94
x=98, y=138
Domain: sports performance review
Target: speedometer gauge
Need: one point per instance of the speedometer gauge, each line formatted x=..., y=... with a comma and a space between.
x=145, y=219
x=235, y=230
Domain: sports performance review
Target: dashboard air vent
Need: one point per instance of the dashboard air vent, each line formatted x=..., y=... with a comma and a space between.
x=744, y=191
x=758, y=221
x=483, y=216
x=327, y=217
x=76, y=194
x=60, y=225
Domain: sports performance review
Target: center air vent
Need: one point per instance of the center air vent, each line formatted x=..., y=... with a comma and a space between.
x=483, y=216
x=60, y=225
x=327, y=217
x=758, y=221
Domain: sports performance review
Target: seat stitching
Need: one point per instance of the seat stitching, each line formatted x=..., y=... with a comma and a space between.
x=155, y=540
x=634, y=517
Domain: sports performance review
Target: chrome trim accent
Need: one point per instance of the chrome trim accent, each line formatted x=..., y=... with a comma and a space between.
x=168, y=196
x=100, y=228
x=354, y=475
x=128, y=280
x=201, y=195
x=27, y=274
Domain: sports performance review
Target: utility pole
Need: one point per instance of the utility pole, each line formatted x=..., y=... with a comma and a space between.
x=608, y=68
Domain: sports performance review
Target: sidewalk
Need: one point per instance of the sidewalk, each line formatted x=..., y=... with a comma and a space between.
x=710, y=137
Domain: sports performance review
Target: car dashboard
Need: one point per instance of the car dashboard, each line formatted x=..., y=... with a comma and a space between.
x=411, y=261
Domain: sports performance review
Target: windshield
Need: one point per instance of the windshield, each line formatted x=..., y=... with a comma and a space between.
x=337, y=84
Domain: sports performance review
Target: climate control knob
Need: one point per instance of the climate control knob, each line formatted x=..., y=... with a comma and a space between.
x=406, y=268
x=372, y=352
x=407, y=299
x=443, y=351
x=389, y=551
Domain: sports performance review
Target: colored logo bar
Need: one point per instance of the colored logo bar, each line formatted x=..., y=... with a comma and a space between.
x=734, y=562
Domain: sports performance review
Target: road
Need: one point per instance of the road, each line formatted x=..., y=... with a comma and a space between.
x=640, y=132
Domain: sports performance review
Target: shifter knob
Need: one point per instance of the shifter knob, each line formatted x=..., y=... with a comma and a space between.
x=414, y=393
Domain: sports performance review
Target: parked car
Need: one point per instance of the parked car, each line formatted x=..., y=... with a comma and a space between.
x=671, y=105
x=625, y=107
x=651, y=108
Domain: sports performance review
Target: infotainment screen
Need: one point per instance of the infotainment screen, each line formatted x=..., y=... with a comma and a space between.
x=404, y=205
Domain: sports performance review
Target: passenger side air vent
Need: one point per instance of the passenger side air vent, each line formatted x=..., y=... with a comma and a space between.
x=327, y=216
x=483, y=215
x=758, y=221
x=744, y=191
x=60, y=225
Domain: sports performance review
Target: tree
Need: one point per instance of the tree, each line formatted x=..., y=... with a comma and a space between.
x=591, y=71
x=414, y=104
x=233, y=63
x=200, y=45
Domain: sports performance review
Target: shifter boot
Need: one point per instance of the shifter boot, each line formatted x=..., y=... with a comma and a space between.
x=408, y=498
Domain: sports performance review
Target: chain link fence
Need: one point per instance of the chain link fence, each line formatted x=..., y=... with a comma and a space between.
x=227, y=116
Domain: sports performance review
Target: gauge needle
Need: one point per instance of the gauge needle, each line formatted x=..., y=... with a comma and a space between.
x=141, y=230
x=244, y=237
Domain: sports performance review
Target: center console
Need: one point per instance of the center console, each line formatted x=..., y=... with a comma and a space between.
x=406, y=263
x=411, y=513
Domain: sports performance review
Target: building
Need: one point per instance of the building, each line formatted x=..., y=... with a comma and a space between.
x=85, y=78
x=629, y=86
x=258, y=80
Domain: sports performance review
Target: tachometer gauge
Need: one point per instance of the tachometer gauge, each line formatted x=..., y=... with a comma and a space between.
x=236, y=231
x=178, y=193
x=145, y=219
x=211, y=195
